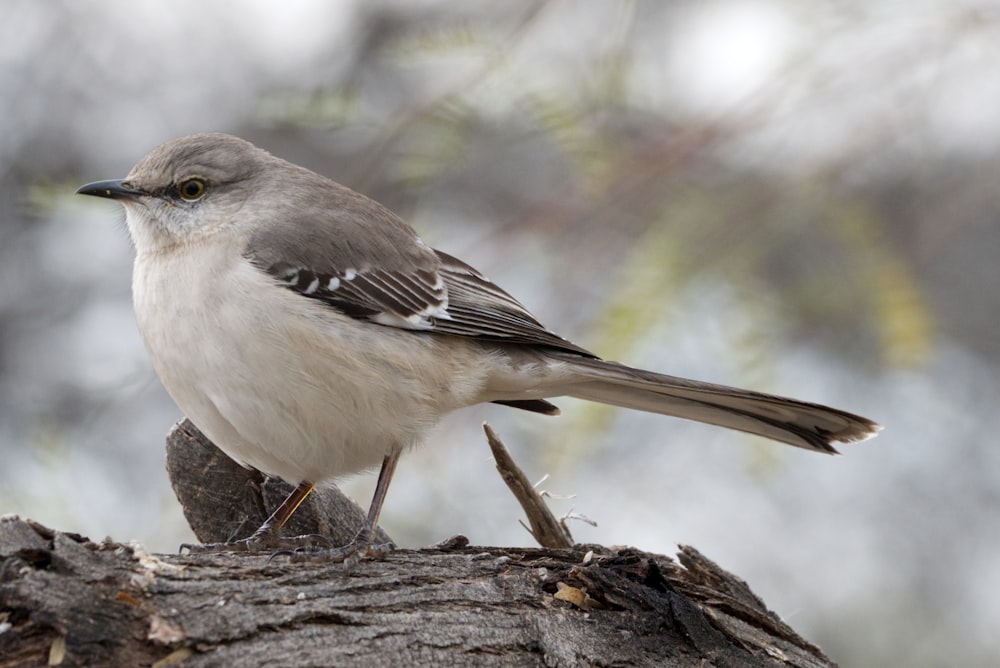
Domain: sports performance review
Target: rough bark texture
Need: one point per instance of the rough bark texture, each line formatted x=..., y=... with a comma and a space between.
x=65, y=600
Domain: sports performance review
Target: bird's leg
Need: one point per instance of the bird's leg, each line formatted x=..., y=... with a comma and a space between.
x=268, y=536
x=361, y=547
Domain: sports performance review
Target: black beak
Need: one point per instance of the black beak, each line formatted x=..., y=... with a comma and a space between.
x=113, y=189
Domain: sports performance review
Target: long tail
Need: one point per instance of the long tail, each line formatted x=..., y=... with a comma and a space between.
x=798, y=423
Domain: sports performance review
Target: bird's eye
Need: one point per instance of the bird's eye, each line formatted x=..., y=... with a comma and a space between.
x=191, y=189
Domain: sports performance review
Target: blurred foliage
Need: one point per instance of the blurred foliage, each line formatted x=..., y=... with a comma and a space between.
x=646, y=201
x=901, y=313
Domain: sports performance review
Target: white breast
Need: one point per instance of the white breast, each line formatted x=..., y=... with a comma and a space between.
x=283, y=383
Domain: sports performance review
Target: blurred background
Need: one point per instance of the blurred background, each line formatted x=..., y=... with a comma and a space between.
x=798, y=197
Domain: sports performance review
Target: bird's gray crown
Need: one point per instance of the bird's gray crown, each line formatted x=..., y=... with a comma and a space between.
x=219, y=159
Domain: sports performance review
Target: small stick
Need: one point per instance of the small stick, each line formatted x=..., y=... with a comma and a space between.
x=545, y=528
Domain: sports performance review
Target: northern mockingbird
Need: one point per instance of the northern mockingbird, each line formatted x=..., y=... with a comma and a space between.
x=310, y=333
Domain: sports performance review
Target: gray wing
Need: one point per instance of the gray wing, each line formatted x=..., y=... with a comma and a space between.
x=477, y=307
x=414, y=300
x=388, y=276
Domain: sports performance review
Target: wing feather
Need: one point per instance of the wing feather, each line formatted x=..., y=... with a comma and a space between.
x=449, y=298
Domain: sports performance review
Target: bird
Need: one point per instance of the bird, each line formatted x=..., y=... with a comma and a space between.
x=310, y=333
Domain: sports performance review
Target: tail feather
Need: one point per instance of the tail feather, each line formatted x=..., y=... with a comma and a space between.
x=799, y=423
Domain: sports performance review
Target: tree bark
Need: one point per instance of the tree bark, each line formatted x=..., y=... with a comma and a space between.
x=65, y=600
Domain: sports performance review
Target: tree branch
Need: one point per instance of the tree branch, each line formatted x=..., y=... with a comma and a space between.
x=65, y=600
